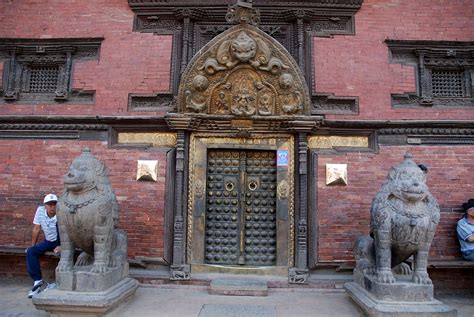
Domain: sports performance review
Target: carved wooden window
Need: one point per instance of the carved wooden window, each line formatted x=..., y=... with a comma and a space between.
x=444, y=72
x=41, y=70
x=43, y=79
x=447, y=83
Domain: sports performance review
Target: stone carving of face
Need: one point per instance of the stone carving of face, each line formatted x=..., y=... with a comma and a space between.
x=200, y=83
x=286, y=81
x=410, y=183
x=243, y=47
x=80, y=176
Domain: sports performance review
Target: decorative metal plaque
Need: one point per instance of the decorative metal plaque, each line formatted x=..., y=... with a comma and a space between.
x=332, y=141
x=147, y=170
x=336, y=174
x=155, y=139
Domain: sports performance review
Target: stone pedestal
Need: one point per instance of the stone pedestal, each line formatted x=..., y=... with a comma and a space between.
x=402, y=298
x=82, y=280
x=403, y=290
x=72, y=303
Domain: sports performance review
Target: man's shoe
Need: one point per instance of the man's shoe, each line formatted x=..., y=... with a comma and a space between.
x=36, y=289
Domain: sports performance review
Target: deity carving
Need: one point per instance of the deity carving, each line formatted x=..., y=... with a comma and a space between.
x=243, y=72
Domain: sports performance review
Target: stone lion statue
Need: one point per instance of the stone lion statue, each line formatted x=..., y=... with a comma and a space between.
x=404, y=216
x=88, y=218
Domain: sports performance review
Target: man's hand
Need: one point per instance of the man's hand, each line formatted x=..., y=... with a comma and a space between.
x=57, y=249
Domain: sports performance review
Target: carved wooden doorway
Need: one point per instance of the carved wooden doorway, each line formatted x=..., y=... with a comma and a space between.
x=241, y=207
x=241, y=201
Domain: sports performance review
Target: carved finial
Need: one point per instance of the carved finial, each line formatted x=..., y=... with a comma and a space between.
x=243, y=12
x=408, y=156
x=86, y=150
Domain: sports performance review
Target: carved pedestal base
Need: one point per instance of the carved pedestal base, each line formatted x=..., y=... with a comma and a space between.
x=82, y=280
x=373, y=306
x=297, y=276
x=69, y=303
x=403, y=290
x=180, y=272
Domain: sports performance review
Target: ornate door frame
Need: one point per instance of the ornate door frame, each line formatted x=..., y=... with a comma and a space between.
x=199, y=144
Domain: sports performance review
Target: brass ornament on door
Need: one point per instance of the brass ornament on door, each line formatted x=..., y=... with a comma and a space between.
x=252, y=185
x=229, y=186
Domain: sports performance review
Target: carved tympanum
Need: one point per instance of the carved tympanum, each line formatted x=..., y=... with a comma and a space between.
x=243, y=72
x=404, y=216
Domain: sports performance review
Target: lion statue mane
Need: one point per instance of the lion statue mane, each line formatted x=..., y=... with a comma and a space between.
x=88, y=218
x=403, y=220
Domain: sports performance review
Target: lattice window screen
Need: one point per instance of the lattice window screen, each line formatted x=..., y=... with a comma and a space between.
x=44, y=78
x=447, y=83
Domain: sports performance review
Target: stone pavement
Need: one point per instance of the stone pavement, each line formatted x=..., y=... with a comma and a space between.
x=183, y=301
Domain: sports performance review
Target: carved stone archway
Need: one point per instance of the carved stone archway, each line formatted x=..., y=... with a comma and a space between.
x=242, y=91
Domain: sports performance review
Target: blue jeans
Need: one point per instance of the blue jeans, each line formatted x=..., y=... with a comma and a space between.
x=468, y=255
x=33, y=257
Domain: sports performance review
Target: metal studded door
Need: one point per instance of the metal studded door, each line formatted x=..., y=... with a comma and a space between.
x=241, y=207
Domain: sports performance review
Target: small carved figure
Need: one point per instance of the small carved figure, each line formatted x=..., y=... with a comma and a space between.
x=264, y=105
x=193, y=104
x=200, y=83
x=88, y=217
x=291, y=102
x=286, y=81
x=404, y=216
x=243, y=103
x=296, y=276
x=220, y=105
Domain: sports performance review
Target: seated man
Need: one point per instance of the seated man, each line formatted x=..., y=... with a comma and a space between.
x=465, y=230
x=45, y=219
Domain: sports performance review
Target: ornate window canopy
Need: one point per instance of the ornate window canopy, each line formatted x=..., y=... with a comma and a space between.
x=40, y=70
x=444, y=72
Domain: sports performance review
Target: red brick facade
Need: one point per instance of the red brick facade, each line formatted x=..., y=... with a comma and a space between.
x=31, y=169
x=133, y=62
x=344, y=211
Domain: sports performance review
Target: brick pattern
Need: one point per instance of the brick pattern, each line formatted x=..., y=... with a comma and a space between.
x=344, y=211
x=31, y=169
x=359, y=65
x=130, y=62
x=15, y=266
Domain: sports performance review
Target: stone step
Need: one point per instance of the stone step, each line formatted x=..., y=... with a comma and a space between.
x=238, y=287
x=233, y=310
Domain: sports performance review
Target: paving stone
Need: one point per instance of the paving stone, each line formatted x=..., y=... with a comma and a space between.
x=234, y=310
x=238, y=287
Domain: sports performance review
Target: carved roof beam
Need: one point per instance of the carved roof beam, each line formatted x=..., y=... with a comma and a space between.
x=190, y=13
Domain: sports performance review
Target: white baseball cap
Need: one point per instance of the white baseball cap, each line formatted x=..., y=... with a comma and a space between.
x=50, y=197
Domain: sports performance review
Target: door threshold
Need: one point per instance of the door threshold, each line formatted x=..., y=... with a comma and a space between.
x=236, y=269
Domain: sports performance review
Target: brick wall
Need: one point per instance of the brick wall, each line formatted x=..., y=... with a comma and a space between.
x=344, y=211
x=31, y=169
x=129, y=62
x=359, y=65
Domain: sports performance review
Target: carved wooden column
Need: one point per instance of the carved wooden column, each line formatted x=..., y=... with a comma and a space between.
x=299, y=273
x=301, y=44
x=179, y=270
x=425, y=78
x=10, y=93
x=61, y=92
x=188, y=16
